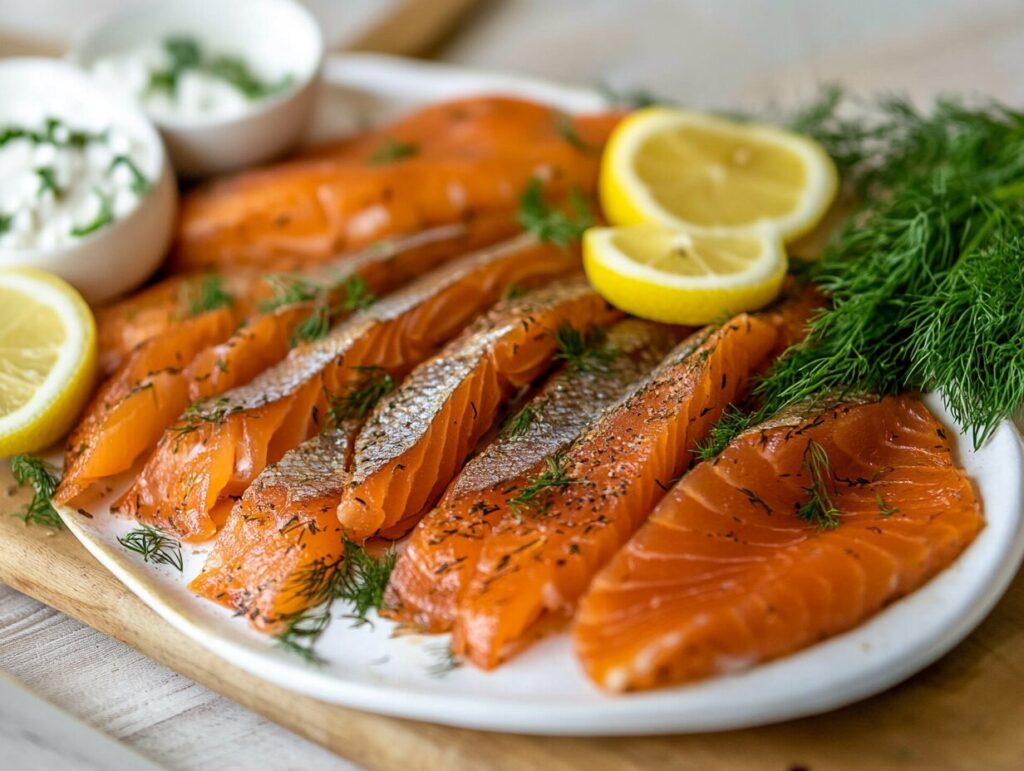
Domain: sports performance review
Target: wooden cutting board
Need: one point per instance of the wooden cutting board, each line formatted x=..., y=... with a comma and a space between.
x=965, y=712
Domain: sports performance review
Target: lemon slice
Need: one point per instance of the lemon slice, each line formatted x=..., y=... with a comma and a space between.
x=669, y=274
x=47, y=358
x=700, y=171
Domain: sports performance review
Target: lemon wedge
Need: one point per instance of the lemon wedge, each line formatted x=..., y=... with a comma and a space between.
x=679, y=276
x=699, y=171
x=48, y=360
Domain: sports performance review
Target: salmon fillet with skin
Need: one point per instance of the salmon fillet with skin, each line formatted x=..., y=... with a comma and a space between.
x=275, y=554
x=419, y=435
x=440, y=554
x=540, y=558
x=453, y=160
x=217, y=448
x=131, y=409
x=125, y=324
x=199, y=357
x=724, y=574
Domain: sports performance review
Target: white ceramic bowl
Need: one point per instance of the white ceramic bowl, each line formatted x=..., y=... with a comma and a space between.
x=279, y=34
x=120, y=256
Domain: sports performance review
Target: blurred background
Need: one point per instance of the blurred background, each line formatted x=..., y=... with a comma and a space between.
x=709, y=53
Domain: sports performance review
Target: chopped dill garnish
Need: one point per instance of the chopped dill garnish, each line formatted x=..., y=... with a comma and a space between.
x=140, y=183
x=391, y=150
x=819, y=508
x=48, y=182
x=357, y=293
x=42, y=478
x=363, y=579
x=289, y=289
x=154, y=546
x=567, y=131
x=630, y=98
x=584, y=351
x=549, y=224
x=446, y=661
x=519, y=424
x=207, y=294
x=103, y=217
x=315, y=326
x=185, y=53
x=729, y=425
x=884, y=509
x=318, y=323
x=512, y=291
x=535, y=492
x=362, y=396
x=199, y=413
x=356, y=578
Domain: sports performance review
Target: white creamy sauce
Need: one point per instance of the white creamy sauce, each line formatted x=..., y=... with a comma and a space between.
x=74, y=175
x=205, y=84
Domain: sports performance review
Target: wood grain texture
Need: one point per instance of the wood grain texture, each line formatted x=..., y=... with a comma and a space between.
x=964, y=712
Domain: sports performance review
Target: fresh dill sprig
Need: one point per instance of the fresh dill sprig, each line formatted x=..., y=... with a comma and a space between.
x=362, y=396
x=819, y=508
x=392, y=150
x=445, y=661
x=584, y=351
x=535, y=493
x=357, y=293
x=356, y=577
x=207, y=294
x=730, y=424
x=315, y=326
x=567, y=130
x=289, y=289
x=42, y=477
x=363, y=579
x=634, y=99
x=884, y=509
x=155, y=546
x=537, y=216
x=357, y=296
x=519, y=423
x=512, y=291
x=926, y=281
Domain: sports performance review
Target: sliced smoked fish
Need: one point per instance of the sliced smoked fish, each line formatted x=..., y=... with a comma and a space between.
x=441, y=552
x=198, y=357
x=281, y=543
x=724, y=574
x=220, y=444
x=131, y=409
x=459, y=159
x=126, y=323
x=541, y=556
x=420, y=434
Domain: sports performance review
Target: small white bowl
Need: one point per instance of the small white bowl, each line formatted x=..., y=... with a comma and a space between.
x=279, y=34
x=122, y=255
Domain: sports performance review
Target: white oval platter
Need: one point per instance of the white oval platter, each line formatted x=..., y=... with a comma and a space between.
x=543, y=691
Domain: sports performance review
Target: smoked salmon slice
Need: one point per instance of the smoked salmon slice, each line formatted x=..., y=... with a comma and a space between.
x=559, y=530
x=219, y=445
x=444, y=164
x=199, y=357
x=420, y=434
x=282, y=542
x=442, y=551
x=125, y=324
x=725, y=573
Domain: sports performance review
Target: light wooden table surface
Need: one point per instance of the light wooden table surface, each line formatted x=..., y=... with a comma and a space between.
x=738, y=53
